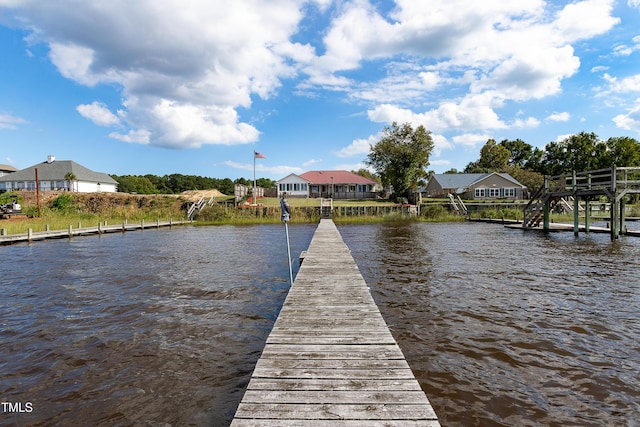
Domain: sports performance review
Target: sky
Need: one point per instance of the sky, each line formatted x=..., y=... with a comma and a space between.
x=195, y=87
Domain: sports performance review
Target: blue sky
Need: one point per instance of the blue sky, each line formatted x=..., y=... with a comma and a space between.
x=167, y=86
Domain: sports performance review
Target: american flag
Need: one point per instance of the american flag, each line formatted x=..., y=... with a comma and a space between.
x=257, y=155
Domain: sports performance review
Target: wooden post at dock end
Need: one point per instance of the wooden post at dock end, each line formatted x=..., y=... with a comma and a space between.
x=615, y=206
x=30, y=234
x=70, y=231
x=142, y=224
x=3, y=231
x=546, y=211
x=99, y=228
x=587, y=214
x=622, y=222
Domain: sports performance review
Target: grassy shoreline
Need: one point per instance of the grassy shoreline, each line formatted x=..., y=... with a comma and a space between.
x=91, y=209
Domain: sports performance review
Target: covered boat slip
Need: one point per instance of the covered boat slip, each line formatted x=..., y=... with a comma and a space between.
x=330, y=358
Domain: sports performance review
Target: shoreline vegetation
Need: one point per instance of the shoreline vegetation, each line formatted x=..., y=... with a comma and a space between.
x=59, y=210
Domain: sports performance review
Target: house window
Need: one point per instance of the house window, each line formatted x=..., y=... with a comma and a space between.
x=509, y=192
x=480, y=192
x=494, y=192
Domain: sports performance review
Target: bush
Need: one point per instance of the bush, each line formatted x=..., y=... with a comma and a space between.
x=213, y=213
x=63, y=203
x=433, y=212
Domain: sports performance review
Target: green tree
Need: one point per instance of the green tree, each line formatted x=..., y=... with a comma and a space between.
x=493, y=158
x=401, y=157
x=622, y=151
x=579, y=152
x=521, y=152
x=531, y=179
x=367, y=174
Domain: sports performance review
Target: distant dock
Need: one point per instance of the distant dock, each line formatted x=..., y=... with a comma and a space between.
x=330, y=359
x=7, y=239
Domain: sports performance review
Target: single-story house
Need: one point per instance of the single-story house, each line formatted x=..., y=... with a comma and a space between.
x=54, y=175
x=337, y=184
x=475, y=186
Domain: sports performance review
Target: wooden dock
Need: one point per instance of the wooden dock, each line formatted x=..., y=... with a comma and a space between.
x=330, y=359
x=7, y=239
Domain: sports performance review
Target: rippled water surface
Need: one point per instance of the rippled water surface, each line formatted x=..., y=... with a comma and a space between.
x=160, y=327
x=163, y=327
x=504, y=327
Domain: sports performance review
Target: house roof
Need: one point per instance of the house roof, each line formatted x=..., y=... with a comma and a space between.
x=56, y=171
x=335, y=177
x=292, y=177
x=464, y=180
x=7, y=168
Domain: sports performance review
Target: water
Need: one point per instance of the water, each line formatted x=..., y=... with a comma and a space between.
x=504, y=327
x=163, y=327
x=160, y=327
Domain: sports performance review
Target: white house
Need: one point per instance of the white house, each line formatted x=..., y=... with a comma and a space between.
x=55, y=175
x=294, y=186
x=337, y=184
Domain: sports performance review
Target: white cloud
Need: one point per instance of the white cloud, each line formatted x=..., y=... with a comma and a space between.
x=471, y=139
x=98, y=113
x=178, y=64
x=473, y=112
x=559, y=117
x=359, y=147
x=626, y=50
x=440, y=162
x=186, y=68
x=485, y=45
x=311, y=162
x=529, y=122
x=137, y=136
x=8, y=121
x=629, y=120
x=352, y=167
x=625, y=85
x=272, y=170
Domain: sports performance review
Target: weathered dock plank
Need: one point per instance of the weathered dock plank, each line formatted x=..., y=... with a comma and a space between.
x=330, y=359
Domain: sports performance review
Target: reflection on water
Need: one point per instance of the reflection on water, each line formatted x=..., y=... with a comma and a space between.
x=163, y=327
x=158, y=327
x=509, y=328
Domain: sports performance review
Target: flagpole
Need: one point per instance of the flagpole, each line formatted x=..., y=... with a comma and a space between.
x=254, y=177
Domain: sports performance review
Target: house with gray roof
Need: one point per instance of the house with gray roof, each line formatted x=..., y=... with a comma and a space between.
x=54, y=175
x=475, y=186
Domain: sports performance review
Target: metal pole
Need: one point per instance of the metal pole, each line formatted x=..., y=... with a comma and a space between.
x=286, y=228
x=286, y=211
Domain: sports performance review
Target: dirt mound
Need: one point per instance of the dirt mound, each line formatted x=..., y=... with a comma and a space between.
x=195, y=195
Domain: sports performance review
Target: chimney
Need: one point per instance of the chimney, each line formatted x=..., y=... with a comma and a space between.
x=51, y=158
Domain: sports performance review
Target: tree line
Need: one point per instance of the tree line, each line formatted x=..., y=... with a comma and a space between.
x=178, y=183
x=580, y=152
x=401, y=157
